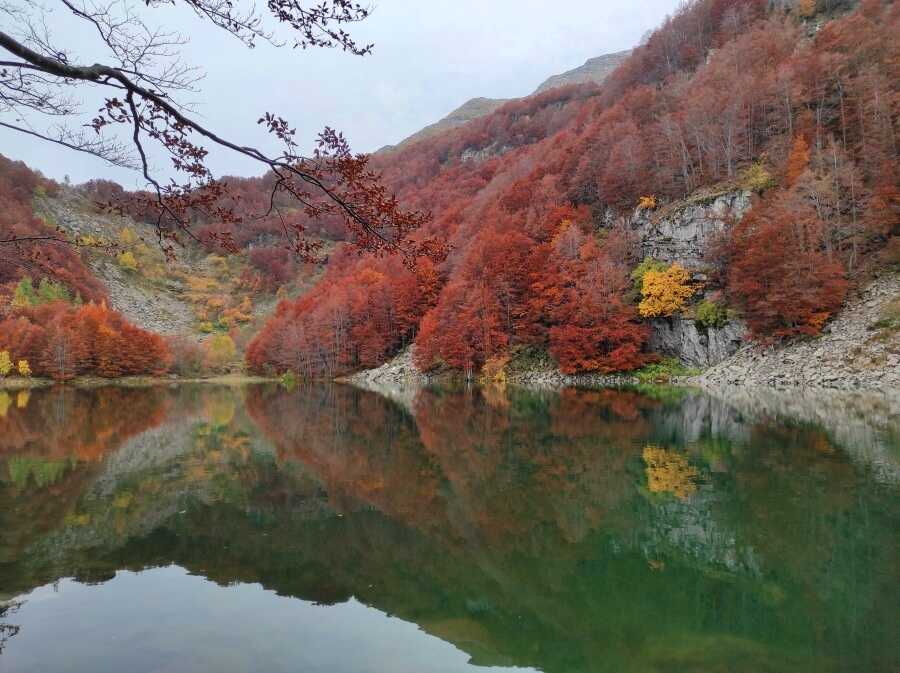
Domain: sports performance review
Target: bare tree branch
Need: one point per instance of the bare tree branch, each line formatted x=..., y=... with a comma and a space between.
x=148, y=71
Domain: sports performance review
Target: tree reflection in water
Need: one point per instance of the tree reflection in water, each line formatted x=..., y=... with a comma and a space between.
x=575, y=531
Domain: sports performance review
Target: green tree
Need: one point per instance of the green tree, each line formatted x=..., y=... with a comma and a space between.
x=711, y=314
x=24, y=294
x=49, y=291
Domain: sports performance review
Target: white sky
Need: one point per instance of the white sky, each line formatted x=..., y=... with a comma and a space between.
x=430, y=57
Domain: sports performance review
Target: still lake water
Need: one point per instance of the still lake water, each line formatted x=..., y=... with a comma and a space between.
x=327, y=529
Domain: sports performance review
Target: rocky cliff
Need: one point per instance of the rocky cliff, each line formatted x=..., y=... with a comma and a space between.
x=680, y=232
x=694, y=344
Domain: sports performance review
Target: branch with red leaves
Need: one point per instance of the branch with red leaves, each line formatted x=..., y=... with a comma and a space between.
x=143, y=82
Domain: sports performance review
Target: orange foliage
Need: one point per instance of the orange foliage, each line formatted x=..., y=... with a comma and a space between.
x=500, y=186
x=797, y=161
x=779, y=276
x=62, y=341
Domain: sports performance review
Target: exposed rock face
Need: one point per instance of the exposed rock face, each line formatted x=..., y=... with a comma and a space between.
x=681, y=234
x=694, y=344
x=851, y=353
x=594, y=70
x=397, y=379
x=493, y=150
x=400, y=369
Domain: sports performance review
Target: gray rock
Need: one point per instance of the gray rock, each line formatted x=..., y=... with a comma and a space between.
x=682, y=235
x=694, y=344
x=846, y=356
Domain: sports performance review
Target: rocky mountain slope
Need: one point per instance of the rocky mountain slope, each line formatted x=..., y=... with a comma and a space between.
x=187, y=296
x=595, y=70
x=473, y=109
x=859, y=349
x=158, y=306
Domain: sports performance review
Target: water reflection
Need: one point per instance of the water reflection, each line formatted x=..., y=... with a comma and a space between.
x=574, y=531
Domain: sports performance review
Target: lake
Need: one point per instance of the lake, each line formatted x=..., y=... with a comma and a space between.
x=206, y=529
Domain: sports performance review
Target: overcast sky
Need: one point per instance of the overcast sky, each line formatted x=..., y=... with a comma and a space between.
x=430, y=57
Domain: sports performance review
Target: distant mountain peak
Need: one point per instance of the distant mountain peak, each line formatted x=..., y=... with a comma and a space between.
x=595, y=69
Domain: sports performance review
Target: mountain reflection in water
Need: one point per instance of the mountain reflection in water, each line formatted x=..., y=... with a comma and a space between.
x=328, y=528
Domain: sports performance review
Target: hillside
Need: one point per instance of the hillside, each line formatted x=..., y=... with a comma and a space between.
x=468, y=111
x=602, y=227
x=595, y=70
x=205, y=303
x=595, y=228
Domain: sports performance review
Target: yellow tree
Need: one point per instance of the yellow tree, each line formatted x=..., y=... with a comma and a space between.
x=669, y=472
x=220, y=351
x=665, y=292
x=6, y=365
x=127, y=261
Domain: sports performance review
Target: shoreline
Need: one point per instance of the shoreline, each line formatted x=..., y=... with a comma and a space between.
x=858, y=351
x=87, y=382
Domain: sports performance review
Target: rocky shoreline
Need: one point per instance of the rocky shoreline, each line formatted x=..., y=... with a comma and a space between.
x=852, y=353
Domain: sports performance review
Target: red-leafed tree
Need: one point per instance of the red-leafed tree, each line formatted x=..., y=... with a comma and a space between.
x=143, y=81
x=63, y=341
x=581, y=294
x=780, y=274
x=726, y=95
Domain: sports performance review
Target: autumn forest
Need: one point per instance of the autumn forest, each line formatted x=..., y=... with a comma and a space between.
x=518, y=241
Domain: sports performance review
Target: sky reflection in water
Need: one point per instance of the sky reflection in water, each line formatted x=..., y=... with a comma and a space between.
x=330, y=529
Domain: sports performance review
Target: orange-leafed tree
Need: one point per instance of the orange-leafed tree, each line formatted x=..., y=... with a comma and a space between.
x=780, y=274
x=798, y=161
x=65, y=351
x=60, y=340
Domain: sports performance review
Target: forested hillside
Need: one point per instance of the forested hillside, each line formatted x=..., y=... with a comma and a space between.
x=794, y=102
x=540, y=210
x=86, y=292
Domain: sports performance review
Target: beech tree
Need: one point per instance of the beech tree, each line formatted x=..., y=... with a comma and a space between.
x=144, y=82
x=63, y=341
x=781, y=274
x=816, y=113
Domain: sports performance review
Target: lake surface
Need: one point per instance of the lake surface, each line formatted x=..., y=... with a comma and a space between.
x=327, y=529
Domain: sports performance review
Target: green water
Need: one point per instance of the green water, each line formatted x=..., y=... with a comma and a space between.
x=326, y=529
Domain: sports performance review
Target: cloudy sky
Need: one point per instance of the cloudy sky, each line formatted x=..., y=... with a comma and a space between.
x=430, y=57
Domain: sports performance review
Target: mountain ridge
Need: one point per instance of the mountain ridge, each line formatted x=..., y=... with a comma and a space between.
x=595, y=69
